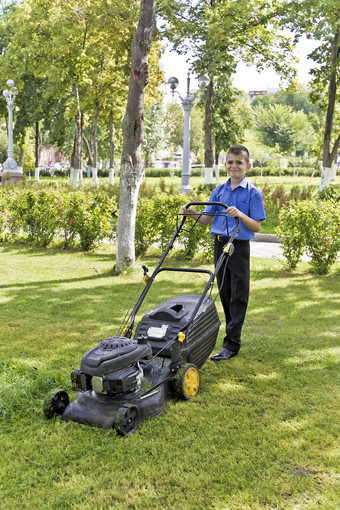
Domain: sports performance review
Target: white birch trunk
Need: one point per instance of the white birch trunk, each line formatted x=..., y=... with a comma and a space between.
x=334, y=169
x=129, y=187
x=36, y=174
x=95, y=180
x=217, y=174
x=325, y=177
x=208, y=175
x=80, y=177
x=73, y=177
x=111, y=176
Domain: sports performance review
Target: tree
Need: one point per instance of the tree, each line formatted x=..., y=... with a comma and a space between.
x=133, y=130
x=297, y=98
x=81, y=54
x=279, y=126
x=154, y=132
x=32, y=106
x=320, y=21
x=173, y=125
x=230, y=114
x=219, y=33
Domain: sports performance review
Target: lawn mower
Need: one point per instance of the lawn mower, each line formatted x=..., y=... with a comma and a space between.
x=124, y=380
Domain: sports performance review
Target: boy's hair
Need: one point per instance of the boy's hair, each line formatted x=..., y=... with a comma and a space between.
x=239, y=149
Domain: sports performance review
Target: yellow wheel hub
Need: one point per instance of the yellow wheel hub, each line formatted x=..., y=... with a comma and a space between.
x=191, y=382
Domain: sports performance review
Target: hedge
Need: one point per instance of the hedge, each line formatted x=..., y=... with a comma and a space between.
x=41, y=216
x=157, y=220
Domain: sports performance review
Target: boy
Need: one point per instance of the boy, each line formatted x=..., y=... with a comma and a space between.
x=245, y=202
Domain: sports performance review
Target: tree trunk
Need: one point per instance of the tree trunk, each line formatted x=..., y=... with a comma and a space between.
x=217, y=166
x=112, y=150
x=131, y=171
x=21, y=159
x=76, y=159
x=208, y=142
x=89, y=151
x=95, y=179
x=328, y=153
x=37, y=152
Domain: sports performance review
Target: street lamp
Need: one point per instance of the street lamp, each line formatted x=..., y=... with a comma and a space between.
x=10, y=165
x=187, y=104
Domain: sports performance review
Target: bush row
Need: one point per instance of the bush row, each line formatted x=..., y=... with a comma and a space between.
x=275, y=171
x=84, y=217
x=42, y=216
x=272, y=170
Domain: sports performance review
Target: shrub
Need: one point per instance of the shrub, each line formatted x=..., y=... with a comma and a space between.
x=5, y=219
x=92, y=218
x=41, y=217
x=145, y=235
x=312, y=227
x=34, y=214
x=68, y=207
x=330, y=193
x=157, y=220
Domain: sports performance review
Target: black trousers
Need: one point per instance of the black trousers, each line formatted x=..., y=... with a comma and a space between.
x=233, y=284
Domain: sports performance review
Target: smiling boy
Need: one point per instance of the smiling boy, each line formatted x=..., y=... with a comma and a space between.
x=245, y=202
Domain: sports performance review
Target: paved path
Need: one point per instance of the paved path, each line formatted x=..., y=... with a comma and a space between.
x=265, y=250
x=267, y=246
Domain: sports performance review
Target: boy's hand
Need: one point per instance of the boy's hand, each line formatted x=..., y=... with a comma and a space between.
x=254, y=225
x=203, y=219
x=234, y=212
x=186, y=211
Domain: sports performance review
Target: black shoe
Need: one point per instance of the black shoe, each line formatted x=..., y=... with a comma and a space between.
x=223, y=354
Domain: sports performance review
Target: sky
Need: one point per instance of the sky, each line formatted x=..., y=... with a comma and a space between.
x=246, y=78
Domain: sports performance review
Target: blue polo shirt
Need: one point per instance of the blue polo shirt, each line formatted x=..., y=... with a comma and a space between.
x=245, y=197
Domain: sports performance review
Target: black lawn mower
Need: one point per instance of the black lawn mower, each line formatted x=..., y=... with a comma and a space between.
x=124, y=380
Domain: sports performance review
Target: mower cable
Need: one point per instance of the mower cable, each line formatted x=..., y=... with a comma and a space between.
x=156, y=355
x=127, y=317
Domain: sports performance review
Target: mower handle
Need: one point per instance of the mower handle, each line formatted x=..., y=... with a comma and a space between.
x=168, y=248
x=210, y=203
x=207, y=203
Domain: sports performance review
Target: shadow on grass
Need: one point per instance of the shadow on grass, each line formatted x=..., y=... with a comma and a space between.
x=35, y=251
x=49, y=283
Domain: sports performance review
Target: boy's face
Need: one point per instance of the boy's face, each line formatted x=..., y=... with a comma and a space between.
x=237, y=166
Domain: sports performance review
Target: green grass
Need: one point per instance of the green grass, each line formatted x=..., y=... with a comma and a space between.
x=261, y=434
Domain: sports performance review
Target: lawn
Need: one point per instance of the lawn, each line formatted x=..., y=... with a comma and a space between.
x=261, y=434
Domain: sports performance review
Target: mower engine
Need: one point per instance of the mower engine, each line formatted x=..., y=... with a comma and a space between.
x=112, y=367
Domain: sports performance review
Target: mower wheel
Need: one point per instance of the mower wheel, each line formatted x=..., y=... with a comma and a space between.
x=187, y=381
x=127, y=419
x=55, y=403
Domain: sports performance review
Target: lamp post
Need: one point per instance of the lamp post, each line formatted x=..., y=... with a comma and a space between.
x=10, y=165
x=10, y=173
x=187, y=104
